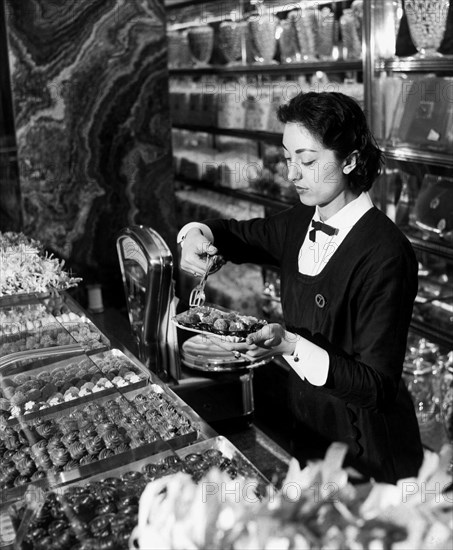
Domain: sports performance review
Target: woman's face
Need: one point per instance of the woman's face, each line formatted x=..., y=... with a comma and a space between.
x=315, y=171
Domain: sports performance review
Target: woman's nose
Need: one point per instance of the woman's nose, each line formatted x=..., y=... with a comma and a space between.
x=294, y=172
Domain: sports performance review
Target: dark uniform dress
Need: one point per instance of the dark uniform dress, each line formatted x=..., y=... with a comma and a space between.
x=358, y=308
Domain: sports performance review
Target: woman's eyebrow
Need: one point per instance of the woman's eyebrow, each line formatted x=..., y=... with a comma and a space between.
x=297, y=151
x=305, y=151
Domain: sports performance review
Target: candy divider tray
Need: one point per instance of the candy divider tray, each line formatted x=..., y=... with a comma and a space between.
x=137, y=464
x=95, y=361
x=132, y=453
x=20, y=299
x=50, y=325
x=227, y=448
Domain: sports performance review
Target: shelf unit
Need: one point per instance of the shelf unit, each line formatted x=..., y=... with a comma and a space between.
x=413, y=64
x=381, y=64
x=272, y=137
x=407, y=154
x=374, y=69
x=431, y=333
x=182, y=14
x=240, y=7
x=431, y=247
x=283, y=69
x=242, y=194
x=336, y=70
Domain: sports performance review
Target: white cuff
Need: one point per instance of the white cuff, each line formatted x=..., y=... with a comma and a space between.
x=201, y=226
x=309, y=361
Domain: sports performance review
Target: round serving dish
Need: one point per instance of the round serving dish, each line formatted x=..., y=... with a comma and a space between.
x=198, y=354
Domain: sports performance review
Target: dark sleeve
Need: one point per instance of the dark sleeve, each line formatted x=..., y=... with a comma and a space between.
x=383, y=306
x=259, y=240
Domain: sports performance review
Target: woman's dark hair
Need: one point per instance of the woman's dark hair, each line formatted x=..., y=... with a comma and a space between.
x=338, y=122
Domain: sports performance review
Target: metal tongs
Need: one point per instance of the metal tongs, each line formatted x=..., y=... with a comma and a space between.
x=197, y=296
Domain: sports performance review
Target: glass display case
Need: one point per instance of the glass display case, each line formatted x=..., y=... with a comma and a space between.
x=75, y=407
x=409, y=92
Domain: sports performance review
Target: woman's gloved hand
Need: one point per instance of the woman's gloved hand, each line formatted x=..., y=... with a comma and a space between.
x=195, y=253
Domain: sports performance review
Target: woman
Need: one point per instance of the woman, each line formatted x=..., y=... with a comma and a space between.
x=348, y=283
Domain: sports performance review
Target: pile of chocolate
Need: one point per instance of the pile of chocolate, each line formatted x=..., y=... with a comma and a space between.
x=48, y=446
x=102, y=514
x=213, y=320
x=32, y=327
x=27, y=392
x=46, y=337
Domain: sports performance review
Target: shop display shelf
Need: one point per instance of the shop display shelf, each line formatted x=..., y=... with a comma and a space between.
x=441, y=64
x=284, y=69
x=273, y=137
x=440, y=249
x=276, y=8
x=410, y=154
x=243, y=194
x=433, y=333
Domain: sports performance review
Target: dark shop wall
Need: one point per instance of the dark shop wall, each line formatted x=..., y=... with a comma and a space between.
x=90, y=95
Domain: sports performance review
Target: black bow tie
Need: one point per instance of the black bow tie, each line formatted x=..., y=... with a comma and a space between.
x=320, y=226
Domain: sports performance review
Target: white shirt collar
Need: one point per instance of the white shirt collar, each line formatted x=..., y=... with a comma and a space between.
x=350, y=214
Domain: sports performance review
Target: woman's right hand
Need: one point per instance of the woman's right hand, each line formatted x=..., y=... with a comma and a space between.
x=195, y=252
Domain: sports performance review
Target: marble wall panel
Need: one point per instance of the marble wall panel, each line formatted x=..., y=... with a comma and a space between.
x=90, y=91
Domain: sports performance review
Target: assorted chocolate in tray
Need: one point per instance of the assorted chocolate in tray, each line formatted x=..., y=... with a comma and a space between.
x=215, y=321
x=103, y=512
x=66, y=381
x=50, y=445
x=31, y=326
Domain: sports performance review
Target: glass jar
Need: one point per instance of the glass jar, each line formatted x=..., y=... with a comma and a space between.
x=427, y=350
x=306, y=23
x=427, y=20
x=419, y=379
x=289, y=46
x=352, y=43
x=326, y=30
x=438, y=372
x=263, y=34
x=231, y=38
x=201, y=44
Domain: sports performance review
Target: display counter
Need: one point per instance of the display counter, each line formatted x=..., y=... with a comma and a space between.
x=78, y=410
